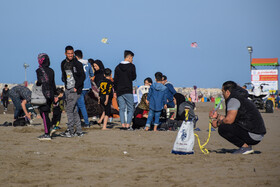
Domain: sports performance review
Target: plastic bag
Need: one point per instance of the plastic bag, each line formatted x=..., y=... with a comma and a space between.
x=185, y=139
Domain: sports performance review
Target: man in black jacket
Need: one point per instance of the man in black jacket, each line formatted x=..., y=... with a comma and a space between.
x=242, y=125
x=73, y=77
x=125, y=74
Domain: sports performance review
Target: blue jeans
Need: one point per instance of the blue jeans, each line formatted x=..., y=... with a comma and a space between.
x=126, y=101
x=17, y=104
x=151, y=116
x=82, y=106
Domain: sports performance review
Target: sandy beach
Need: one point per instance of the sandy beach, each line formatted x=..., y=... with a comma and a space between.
x=134, y=158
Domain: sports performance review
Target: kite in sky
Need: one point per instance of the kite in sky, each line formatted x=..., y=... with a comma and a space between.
x=194, y=45
x=104, y=40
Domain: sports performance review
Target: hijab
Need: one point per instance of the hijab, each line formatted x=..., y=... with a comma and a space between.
x=43, y=60
x=143, y=105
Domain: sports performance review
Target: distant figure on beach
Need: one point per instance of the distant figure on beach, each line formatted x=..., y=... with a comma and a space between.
x=45, y=78
x=73, y=76
x=170, y=92
x=5, y=97
x=157, y=98
x=105, y=97
x=194, y=94
x=20, y=96
x=243, y=124
x=125, y=74
x=87, y=85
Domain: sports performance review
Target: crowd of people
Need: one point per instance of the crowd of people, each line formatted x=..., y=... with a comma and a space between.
x=84, y=79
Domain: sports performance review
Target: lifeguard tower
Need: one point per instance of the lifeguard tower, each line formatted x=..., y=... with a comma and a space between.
x=268, y=75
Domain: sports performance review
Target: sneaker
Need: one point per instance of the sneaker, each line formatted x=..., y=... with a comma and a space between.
x=244, y=150
x=69, y=135
x=63, y=134
x=79, y=134
x=56, y=128
x=44, y=137
x=86, y=126
x=52, y=131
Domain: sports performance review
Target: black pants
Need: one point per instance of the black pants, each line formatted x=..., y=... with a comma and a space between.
x=44, y=112
x=236, y=135
x=5, y=102
x=138, y=122
x=56, y=117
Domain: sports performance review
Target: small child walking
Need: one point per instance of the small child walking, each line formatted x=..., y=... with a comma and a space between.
x=105, y=96
x=57, y=108
x=157, y=98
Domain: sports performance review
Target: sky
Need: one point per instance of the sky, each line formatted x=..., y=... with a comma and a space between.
x=159, y=32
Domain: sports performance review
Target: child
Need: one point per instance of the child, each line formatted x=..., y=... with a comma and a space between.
x=57, y=108
x=157, y=98
x=105, y=96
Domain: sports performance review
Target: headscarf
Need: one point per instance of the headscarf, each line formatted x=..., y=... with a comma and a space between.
x=43, y=60
x=99, y=74
x=100, y=65
x=143, y=105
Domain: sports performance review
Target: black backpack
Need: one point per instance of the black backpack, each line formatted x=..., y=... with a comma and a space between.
x=20, y=122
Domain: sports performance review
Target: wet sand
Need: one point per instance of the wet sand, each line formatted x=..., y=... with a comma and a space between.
x=134, y=158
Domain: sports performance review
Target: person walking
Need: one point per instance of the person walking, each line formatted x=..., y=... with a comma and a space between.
x=87, y=85
x=73, y=77
x=45, y=78
x=5, y=97
x=125, y=74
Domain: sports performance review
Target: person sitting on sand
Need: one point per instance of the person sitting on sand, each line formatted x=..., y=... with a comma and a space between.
x=243, y=124
x=157, y=98
x=141, y=113
x=106, y=95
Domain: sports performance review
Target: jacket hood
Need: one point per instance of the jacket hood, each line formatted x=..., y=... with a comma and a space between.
x=84, y=62
x=100, y=64
x=124, y=65
x=159, y=86
x=43, y=60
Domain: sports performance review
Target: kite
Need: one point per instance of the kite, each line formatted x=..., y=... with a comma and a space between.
x=194, y=45
x=104, y=40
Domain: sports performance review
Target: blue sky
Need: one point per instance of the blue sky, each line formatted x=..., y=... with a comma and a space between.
x=159, y=32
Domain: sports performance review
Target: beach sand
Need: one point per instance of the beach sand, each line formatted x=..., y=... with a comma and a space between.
x=134, y=158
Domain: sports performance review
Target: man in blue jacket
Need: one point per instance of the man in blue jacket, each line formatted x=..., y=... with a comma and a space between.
x=170, y=92
x=157, y=98
x=87, y=86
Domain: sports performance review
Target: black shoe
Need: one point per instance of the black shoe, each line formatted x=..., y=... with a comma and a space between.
x=63, y=134
x=79, y=134
x=45, y=137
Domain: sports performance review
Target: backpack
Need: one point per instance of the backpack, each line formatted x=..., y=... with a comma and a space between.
x=170, y=125
x=190, y=106
x=37, y=96
x=20, y=122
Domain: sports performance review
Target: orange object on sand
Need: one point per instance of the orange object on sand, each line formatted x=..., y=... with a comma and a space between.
x=115, y=106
